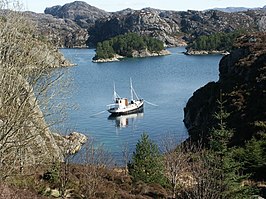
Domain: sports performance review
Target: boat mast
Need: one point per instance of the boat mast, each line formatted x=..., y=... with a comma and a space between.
x=115, y=95
x=131, y=90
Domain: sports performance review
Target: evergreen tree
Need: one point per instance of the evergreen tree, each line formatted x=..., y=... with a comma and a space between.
x=253, y=156
x=147, y=164
x=228, y=168
x=217, y=41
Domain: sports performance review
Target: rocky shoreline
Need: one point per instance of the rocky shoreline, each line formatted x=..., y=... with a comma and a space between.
x=114, y=59
x=135, y=54
x=206, y=52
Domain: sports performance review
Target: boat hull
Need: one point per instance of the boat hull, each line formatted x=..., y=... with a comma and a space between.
x=116, y=112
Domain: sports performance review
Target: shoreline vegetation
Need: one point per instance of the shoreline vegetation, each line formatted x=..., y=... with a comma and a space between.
x=128, y=45
x=218, y=43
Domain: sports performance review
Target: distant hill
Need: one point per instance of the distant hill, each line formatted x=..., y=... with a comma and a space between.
x=79, y=24
x=82, y=13
x=235, y=9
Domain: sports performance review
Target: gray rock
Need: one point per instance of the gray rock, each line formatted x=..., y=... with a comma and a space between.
x=71, y=143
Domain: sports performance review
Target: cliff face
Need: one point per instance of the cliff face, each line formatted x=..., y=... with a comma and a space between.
x=78, y=24
x=172, y=26
x=243, y=84
x=146, y=22
x=61, y=32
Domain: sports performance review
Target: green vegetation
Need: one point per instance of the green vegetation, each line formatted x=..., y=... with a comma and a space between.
x=124, y=45
x=228, y=168
x=253, y=156
x=218, y=41
x=147, y=164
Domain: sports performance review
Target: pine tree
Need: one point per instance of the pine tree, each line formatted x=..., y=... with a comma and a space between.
x=227, y=167
x=147, y=164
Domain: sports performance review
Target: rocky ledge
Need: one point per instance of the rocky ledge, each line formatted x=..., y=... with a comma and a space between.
x=242, y=85
x=146, y=53
x=70, y=144
x=205, y=52
x=115, y=58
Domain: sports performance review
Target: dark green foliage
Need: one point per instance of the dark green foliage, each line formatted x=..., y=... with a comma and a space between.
x=147, y=164
x=220, y=136
x=229, y=170
x=253, y=157
x=125, y=44
x=217, y=41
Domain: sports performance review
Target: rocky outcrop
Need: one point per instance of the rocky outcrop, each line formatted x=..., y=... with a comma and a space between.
x=70, y=144
x=197, y=23
x=113, y=59
x=242, y=82
x=80, y=12
x=61, y=32
x=205, y=52
x=146, y=22
x=147, y=53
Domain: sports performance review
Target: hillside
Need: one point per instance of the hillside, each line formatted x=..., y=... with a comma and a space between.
x=242, y=83
x=80, y=12
x=79, y=24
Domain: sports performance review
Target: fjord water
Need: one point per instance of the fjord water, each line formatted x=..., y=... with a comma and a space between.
x=166, y=81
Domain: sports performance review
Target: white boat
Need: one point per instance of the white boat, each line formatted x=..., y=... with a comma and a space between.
x=124, y=106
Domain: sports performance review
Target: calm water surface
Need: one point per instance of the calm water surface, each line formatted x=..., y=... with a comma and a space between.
x=166, y=81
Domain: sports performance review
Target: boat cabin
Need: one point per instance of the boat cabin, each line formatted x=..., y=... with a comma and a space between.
x=121, y=103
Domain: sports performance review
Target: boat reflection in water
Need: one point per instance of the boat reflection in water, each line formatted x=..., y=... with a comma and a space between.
x=123, y=121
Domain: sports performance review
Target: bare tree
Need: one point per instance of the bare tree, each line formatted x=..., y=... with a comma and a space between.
x=175, y=161
x=126, y=156
x=205, y=176
x=93, y=160
x=25, y=78
x=192, y=170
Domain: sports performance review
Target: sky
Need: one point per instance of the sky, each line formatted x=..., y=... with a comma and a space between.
x=116, y=5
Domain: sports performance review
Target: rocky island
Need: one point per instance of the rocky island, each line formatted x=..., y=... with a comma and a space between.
x=128, y=45
x=217, y=43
